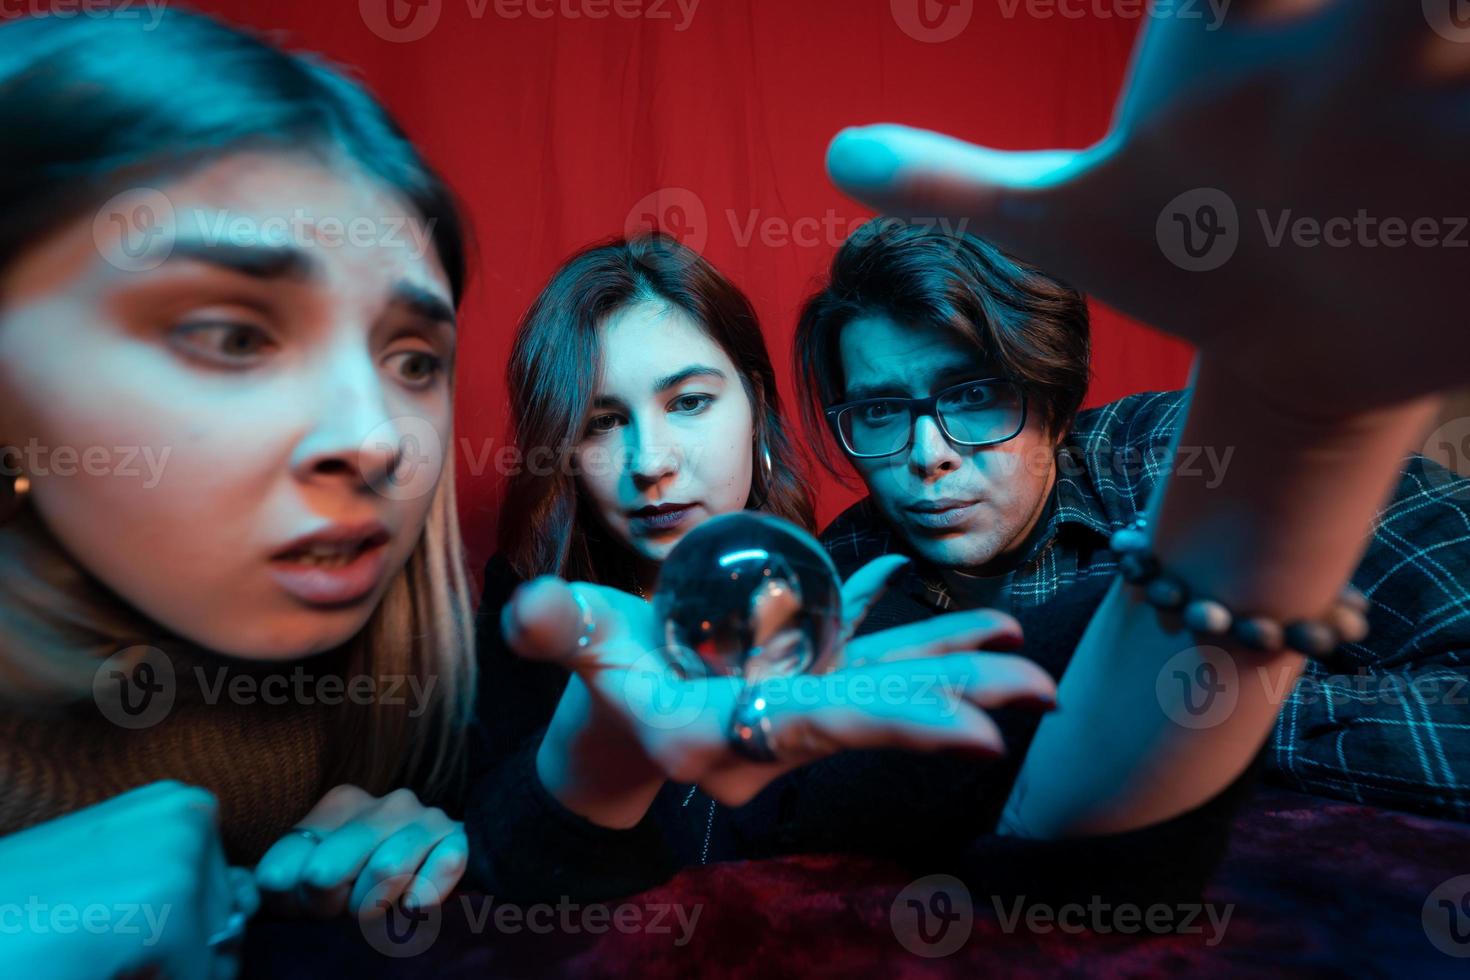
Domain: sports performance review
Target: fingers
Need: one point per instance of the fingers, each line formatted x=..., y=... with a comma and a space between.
x=544, y=621
x=864, y=588
x=440, y=872
x=394, y=867
x=980, y=629
x=916, y=705
x=1007, y=197
x=302, y=875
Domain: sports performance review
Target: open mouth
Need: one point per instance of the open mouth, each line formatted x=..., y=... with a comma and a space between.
x=336, y=566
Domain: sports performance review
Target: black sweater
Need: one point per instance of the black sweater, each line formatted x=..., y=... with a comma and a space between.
x=934, y=812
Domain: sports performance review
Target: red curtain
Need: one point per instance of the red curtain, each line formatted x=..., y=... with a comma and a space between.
x=556, y=120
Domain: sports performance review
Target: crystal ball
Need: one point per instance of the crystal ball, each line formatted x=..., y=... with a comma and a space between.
x=749, y=595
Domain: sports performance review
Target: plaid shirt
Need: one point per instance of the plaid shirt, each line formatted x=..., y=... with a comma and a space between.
x=1388, y=723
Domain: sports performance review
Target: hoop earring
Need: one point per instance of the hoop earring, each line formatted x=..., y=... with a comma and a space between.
x=20, y=489
x=759, y=495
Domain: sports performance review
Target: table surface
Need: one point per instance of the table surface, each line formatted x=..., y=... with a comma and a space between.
x=1310, y=888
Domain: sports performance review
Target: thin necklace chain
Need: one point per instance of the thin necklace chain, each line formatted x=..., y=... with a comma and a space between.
x=709, y=827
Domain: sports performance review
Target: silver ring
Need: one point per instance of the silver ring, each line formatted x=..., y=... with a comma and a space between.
x=308, y=833
x=588, y=625
x=749, y=734
x=232, y=933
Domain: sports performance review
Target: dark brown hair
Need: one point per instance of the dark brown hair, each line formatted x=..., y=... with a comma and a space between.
x=552, y=379
x=1031, y=326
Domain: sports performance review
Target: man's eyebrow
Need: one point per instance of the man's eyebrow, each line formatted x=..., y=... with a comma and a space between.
x=943, y=378
x=424, y=302
x=692, y=371
x=255, y=260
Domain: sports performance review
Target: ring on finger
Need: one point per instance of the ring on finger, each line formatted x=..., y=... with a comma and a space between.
x=749, y=734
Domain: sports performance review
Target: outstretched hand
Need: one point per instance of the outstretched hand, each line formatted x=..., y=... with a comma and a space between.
x=923, y=687
x=1286, y=191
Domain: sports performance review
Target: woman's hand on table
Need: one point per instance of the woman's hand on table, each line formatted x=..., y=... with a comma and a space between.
x=359, y=853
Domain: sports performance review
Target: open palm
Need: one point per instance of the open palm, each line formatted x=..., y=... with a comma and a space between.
x=1282, y=191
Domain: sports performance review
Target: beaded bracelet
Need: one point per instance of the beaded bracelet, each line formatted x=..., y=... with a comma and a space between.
x=1346, y=622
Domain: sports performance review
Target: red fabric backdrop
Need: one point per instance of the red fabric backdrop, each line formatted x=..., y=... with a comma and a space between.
x=556, y=119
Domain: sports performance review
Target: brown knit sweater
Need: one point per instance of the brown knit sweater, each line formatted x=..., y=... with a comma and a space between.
x=264, y=762
x=59, y=751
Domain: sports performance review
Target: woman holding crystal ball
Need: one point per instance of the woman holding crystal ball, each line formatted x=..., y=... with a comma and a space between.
x=645, y=405
x=1321, y=106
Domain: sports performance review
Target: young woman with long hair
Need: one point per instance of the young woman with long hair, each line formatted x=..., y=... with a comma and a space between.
x=216, y=589
x=645, y=403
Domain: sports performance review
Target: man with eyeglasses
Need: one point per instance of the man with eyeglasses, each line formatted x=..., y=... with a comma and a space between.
x=950, y=377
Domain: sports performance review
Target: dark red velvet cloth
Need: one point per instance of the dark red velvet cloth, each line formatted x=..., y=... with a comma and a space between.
x=1315, y=888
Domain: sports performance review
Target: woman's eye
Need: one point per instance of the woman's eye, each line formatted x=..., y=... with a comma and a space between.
x=419, y=367
x=690, y=404
x=226, y=343
x=602, y=423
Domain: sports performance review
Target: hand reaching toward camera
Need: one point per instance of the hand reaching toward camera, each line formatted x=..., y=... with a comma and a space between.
x=1282, y=191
